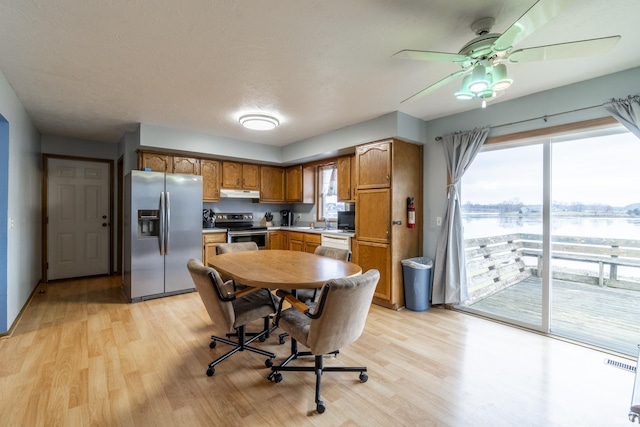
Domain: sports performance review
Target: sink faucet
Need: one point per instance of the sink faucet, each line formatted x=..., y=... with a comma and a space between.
x=326, y=223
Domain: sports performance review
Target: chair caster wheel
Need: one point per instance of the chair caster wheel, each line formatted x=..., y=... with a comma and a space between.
x=212, y=344
x=276, y=377
x=210, y=372
x=268, y=363
x=281, y=340
x=262, y=338
x=363, y=377
x=321, y=407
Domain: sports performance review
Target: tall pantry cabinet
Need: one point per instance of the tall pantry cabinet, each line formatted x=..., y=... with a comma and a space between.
x=387, y=173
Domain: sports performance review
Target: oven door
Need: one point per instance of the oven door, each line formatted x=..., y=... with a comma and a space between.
x=260, y=237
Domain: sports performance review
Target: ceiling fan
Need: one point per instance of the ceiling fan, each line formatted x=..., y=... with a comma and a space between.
x=483, y=59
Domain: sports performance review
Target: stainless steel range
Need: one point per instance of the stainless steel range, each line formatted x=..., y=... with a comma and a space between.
x=241, y=228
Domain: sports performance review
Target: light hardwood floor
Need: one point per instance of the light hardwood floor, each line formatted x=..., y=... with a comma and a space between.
x=80, y=355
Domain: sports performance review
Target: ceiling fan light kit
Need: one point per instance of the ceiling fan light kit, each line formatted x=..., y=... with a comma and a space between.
x=499, y=78
x=483, y=59
x=464, y=92
x=479, y=80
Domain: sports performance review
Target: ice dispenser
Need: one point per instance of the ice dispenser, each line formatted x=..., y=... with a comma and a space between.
x=148, y=223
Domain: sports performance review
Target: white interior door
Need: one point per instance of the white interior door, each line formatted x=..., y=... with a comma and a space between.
x=78, y=218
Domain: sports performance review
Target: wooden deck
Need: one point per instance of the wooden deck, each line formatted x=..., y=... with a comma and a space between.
x=602, y=316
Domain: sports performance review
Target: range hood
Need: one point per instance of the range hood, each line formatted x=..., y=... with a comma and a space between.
x=239, y=194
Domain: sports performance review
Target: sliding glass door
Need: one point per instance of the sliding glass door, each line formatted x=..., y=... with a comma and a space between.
x=502, y=199
x=552, y=236
x=595, y=235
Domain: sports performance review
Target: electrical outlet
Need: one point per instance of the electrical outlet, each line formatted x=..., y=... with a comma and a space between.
x=10, y=223
x=298, y=217
x=439, y=221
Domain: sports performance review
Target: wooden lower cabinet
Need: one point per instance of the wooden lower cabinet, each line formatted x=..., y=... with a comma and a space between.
x=277, y=240
x=370, y=255
x=311, y=242
x=209, y=243
x=304, y=242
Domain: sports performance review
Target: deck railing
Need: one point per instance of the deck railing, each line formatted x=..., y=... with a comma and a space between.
x=497, y=262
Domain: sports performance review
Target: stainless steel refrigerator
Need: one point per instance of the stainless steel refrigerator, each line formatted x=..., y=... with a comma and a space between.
x=162, y=231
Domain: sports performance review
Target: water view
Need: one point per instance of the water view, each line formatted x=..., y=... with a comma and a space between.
x=479, y=225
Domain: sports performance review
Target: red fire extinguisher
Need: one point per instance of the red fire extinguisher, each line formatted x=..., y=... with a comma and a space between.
x=411, y=213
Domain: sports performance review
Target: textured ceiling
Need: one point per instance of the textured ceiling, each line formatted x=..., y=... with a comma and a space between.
x=92, y=69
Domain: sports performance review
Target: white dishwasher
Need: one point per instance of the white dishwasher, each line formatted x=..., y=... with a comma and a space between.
x=337, y=241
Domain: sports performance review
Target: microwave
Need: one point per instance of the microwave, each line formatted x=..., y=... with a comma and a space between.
x=347, y=220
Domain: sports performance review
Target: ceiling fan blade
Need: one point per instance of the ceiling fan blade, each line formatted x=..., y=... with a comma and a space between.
x=534, y=18
x=564, y=50
x=437, y=85
x=423, y=55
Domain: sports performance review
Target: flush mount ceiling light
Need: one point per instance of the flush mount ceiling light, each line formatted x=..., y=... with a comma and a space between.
x=259, y=122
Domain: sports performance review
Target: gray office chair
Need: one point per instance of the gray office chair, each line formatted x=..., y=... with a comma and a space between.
x=336, y=321
x=339, y=254
x=231, y=310
x=311, y=295
x=224, y=248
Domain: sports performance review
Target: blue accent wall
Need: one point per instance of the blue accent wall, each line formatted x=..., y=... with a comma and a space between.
x=4, y=226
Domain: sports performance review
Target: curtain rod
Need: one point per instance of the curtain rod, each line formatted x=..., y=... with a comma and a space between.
x=545, y=117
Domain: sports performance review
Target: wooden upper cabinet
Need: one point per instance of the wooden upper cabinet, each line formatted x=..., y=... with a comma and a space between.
x=250, y=177
x=300, y=184
x=346, y=188
x=293, y=183
x=241, y=176
x=271, y=184
x=210, y=180
x=231, y=175
x=373, y=165
x=155, y=161
x=186, y=165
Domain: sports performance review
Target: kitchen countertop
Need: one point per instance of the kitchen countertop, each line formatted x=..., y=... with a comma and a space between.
x=300, y=229
x=214, y=230
x=316, y=230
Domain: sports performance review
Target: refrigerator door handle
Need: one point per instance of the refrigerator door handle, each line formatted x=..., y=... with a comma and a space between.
x=162, y=222
x=168, y=220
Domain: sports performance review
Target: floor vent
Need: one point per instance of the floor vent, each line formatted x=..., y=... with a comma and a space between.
x=620, y=365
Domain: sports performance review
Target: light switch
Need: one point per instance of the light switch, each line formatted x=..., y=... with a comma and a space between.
x=10, y=223
x=439, y=221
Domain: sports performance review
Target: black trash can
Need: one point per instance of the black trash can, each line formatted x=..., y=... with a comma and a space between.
x=416, y=274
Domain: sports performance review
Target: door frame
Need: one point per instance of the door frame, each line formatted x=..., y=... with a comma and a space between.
x=45, y=201
x=120, y=217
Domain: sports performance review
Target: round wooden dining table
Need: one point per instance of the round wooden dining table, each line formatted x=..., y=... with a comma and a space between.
x=282, y=269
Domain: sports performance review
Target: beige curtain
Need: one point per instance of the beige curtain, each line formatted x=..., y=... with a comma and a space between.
x=627, y=112
x=450, y=272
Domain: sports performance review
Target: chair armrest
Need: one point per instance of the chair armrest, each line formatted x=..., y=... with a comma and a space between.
x=244, y=292
x=296, y=303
